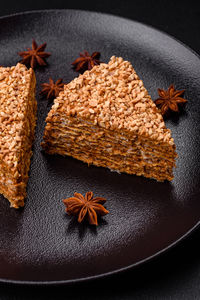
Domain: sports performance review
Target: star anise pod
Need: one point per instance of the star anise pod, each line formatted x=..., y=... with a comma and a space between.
x=34, y=56
x=86, y=61
x=51, y=89
x=86, y=207
x=169, y=99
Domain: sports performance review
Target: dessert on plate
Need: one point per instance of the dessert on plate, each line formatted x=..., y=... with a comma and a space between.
x=17, y=124
x=107, y=118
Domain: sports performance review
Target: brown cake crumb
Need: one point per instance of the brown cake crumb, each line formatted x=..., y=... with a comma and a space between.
x=17, y=124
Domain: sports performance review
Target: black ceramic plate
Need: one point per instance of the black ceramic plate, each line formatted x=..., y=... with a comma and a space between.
x=40, y=243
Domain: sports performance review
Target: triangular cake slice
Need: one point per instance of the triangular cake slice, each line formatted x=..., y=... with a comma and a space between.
x=107, y=118
x=17, y=123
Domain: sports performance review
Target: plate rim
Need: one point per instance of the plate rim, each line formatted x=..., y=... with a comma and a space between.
x=147, y=259
x=103, y=275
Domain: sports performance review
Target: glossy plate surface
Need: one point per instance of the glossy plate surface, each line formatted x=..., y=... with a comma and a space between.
x=40, y=243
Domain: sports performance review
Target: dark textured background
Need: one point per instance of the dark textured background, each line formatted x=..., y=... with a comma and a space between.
x=176, y=274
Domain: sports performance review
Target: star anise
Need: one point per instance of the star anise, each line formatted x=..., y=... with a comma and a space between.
x=169, y=99
x=86, y=207
x=51, y=89
x=34, y=56
x=86, y=61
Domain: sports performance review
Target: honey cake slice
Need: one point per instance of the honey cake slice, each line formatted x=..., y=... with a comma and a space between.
x=17, y=125
x=107, y=118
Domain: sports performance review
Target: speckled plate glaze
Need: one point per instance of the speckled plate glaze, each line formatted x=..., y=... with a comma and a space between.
x=40, y=244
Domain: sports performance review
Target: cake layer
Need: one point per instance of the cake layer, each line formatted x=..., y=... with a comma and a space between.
x=81, y=130
x=93, y=146
x=17, y=124
x=115, y=160
x=99, y=147
x=115, y=163
x=106, y=117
